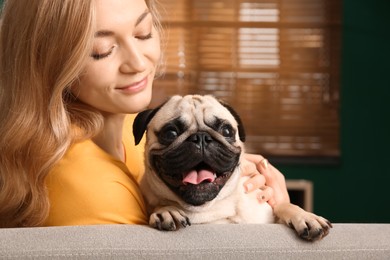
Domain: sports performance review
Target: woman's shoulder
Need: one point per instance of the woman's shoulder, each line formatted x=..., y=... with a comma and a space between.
x=87, y=183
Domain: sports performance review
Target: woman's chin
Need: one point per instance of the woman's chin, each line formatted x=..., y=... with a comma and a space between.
x=139, y=103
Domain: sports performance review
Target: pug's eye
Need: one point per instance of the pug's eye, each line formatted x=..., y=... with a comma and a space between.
x=171, y=134
x=227, y=131
x=168, y=134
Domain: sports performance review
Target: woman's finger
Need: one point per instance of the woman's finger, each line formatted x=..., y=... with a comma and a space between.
x=254, y=158
x=265, y=194
x=275, y=179
x=256, y=181
x=248, y=168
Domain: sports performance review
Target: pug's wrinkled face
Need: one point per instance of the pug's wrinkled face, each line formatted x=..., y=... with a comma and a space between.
x=193, y=146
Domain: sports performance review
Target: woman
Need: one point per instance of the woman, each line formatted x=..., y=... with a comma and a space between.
x=70, y=72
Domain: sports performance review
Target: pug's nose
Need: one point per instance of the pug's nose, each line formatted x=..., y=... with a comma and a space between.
x=201, y=139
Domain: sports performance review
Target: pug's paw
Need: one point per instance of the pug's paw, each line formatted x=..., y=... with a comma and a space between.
x=168, y=218
x=310, y=226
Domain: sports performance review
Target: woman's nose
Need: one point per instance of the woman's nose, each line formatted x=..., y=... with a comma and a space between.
x=133, y=58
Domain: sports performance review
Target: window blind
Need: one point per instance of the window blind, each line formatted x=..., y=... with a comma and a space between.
x=275, y=61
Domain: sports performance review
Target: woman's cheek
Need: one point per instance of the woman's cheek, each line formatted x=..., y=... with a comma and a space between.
x=153, y=49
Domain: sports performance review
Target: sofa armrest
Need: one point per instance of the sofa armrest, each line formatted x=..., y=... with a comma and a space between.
x=270, y=241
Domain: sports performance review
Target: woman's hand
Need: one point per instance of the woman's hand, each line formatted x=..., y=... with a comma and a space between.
x=265, y=178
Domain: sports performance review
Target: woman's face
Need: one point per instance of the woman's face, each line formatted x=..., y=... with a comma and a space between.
x=119, y=74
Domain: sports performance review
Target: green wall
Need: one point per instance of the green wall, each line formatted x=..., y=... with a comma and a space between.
x=358, y=190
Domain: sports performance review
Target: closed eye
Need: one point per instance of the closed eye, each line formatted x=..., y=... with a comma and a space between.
x=99, y=56
x=144, y=37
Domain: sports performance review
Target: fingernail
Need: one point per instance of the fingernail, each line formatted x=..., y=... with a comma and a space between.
x=265, y=163
x=249, y=187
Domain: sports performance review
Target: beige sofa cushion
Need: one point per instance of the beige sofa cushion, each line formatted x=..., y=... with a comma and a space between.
x=273, y=241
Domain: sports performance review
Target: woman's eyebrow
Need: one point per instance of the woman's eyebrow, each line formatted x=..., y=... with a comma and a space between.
x=105, y=33
x=142, y=17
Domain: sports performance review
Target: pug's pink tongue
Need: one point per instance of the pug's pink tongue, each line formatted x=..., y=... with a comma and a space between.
x=196, y=177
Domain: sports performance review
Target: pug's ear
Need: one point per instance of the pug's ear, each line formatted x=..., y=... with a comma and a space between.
x=241, y=130
x=141, y=122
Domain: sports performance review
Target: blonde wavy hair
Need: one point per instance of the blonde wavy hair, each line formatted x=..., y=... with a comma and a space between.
x=43, y=48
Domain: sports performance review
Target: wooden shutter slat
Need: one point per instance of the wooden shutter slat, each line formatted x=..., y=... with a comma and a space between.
x=275, y=61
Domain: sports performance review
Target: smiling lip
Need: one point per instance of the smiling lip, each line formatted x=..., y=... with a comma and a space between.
x=135, y=87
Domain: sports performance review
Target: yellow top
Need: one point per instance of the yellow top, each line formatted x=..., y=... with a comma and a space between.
x=89, y=186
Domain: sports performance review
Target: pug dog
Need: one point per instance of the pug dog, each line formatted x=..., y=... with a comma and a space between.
x=194, y=146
